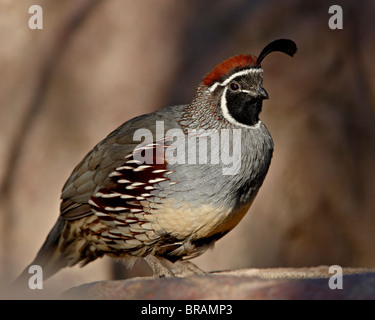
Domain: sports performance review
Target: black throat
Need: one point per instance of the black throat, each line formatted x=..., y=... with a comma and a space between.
x=243, y=108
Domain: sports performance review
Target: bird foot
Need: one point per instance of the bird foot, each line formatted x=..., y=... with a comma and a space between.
x=162, y=267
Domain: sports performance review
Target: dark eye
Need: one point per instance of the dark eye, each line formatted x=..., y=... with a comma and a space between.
x=234, y=86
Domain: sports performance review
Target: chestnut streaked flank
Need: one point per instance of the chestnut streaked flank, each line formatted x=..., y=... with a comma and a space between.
x=113, y=204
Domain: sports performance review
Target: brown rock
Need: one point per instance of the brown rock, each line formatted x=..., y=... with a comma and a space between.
x=281, y=283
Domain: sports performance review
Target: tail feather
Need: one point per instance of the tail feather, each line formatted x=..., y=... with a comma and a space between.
x=49, y=256
x=64, y=247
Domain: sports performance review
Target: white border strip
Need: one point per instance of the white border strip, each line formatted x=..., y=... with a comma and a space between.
x=227, y=115
x=235, y=75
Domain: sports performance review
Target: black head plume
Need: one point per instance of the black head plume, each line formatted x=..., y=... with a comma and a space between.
x=282, y=45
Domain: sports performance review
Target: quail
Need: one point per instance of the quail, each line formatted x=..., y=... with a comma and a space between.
x=166, y=185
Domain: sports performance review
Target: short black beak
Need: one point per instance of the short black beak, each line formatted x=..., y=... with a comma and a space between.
x=262, y=93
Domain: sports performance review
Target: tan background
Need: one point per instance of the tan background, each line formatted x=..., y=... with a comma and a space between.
x=97, y=64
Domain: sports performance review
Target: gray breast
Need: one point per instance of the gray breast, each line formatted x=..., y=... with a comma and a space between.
x=228, y=176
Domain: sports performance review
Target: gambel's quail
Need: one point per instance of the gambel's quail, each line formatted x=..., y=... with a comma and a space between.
x=166, y=185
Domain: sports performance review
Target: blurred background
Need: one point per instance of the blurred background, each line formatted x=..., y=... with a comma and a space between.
x=98, y=63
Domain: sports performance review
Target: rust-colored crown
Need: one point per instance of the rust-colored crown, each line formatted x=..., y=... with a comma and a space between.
x=223, y=68
x=245, y=61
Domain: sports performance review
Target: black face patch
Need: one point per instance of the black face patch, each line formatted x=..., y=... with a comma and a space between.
x=241, y=100
x=243, y=108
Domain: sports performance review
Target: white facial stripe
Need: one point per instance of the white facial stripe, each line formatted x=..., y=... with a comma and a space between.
x=249, y=92
x=227, y=115
x=235, y=75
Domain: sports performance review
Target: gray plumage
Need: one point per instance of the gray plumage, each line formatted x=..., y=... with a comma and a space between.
x=167, y=212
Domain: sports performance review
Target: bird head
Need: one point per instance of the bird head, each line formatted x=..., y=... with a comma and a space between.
x=236, y=84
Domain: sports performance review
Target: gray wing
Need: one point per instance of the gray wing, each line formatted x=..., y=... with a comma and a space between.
x=92, y=173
